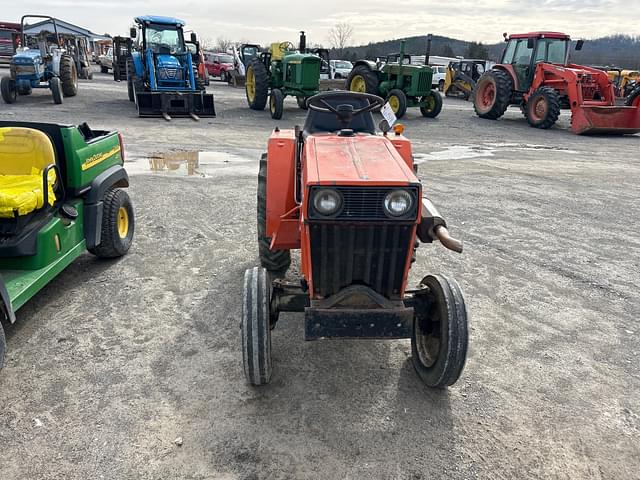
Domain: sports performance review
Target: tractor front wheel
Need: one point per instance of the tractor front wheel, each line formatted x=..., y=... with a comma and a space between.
x=117, y=225
x=543, y=108
x=257, y=84
x=398, y=102
x=56, y=90
x=276, y=261
x=432, y=105
x=68, y=76
x=363, y=80
x=255, y=326
x=8, y=89
x=276, y=104
x=492, y=94
x=440, y=333
x=633, y=100
x=302, y=103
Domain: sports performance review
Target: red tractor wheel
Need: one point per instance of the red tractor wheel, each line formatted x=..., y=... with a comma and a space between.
x=492, y=94
x=543, y=108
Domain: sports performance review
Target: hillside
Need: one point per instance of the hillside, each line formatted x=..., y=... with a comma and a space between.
x=620, y=50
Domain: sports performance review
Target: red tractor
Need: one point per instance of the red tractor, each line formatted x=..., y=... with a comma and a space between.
x=348, y=198
x=536, y=75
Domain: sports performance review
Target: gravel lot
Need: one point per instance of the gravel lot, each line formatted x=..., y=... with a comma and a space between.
x=114, y=361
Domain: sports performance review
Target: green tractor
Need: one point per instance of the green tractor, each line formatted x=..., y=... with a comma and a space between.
x=60, y=194
x=280, y=72
x=401, y=83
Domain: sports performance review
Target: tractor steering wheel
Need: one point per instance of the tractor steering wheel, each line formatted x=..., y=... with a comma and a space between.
x=284, y=46
x=346, y=111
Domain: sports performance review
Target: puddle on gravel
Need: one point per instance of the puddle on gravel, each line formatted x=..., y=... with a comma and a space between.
x=462, y=152
x=192, y=164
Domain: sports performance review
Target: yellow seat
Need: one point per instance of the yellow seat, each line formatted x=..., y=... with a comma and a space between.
x=24, y=154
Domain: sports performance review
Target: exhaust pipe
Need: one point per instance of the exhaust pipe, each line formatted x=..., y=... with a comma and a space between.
x=428, y=55
x=303, y=42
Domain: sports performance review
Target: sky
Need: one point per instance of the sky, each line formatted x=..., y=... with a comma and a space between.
x=262, y=21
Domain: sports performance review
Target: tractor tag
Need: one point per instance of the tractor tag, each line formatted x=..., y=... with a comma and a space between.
x=387, y=113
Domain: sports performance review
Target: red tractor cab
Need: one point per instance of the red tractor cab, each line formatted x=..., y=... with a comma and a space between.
x=535, y=74
x=348, y=198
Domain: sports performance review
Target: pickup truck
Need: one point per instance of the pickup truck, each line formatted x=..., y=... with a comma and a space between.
x=60, y=195
x=106, y=61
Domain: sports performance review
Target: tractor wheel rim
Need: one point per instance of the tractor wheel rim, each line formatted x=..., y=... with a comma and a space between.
x=123, y=223
x=358, y=84
x=251, y=84
x=487, y=95
x=272, y=104
x=538, y=109
x=394, y=102
x=430, y=104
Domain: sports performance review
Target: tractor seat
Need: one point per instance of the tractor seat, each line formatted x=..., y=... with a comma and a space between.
x=25, y=155
x=318, y=122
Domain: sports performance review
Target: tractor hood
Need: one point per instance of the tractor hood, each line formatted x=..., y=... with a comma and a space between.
x=361, y=159
x=167, y=61
x=27, y=56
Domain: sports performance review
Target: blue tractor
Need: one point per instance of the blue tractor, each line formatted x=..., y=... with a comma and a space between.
x=41, y=61
x=161, y=77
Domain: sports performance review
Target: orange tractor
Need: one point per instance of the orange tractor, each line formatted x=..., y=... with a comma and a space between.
x=536, y=75
x=348, y=198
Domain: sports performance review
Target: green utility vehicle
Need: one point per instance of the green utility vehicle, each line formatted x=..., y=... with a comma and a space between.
x=280, y=72
x=59, y=196
x=402, y=83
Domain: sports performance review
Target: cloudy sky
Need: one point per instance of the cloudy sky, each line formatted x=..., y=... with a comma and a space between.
x=257, y=20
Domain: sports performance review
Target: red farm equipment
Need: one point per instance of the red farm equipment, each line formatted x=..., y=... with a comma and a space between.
x=535, y=74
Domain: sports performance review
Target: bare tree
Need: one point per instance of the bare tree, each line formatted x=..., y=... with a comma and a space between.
x=340, y=35
x=223, y=44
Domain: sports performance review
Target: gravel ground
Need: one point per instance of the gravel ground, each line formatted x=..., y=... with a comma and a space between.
x=132, y=369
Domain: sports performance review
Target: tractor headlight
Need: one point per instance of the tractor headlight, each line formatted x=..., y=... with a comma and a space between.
x=398, y=203
x=327, y=201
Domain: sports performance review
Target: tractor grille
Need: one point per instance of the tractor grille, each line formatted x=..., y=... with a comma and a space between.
x=365, y=203
x=424, y=82
x=23, y=69
x=348, y=254
x=165, y=73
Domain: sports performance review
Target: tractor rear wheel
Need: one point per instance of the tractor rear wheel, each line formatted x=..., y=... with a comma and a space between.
x=276, y=104
x=363, y=80
x=276, y=261
x=398, y=102
x=68, y=76
x=8, y=89
x=492, y=94
x=117, y=225
x=56, y=90
x=257, y=84
x=633, y=100
x=255, y=327
x=543, y=108
x=440, y=334
x=432, y=105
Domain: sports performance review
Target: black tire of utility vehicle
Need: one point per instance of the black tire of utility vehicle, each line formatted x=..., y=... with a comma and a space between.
x=255, y=328
x=542, y=110
x=275, y=261
x=276, y=104
x=114, y=240
x=370, y=78
x=3, y=345
x=55, y=85
x=68, y=76
x=223, y=76
x=104, y=69
x=400, y=99
x=8, y=89
x=502, y=85
x=633, y=100
x=433, y=106
x=130, y=81
x=440, y=332
x=261, y=79
x=302, y=103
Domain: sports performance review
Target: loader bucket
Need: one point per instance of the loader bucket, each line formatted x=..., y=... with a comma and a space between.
x=178, y=104
x=594, y=120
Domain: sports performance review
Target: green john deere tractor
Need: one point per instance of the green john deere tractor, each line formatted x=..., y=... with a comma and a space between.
x=59, y=196
x=280, y=72
x=400, y=82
